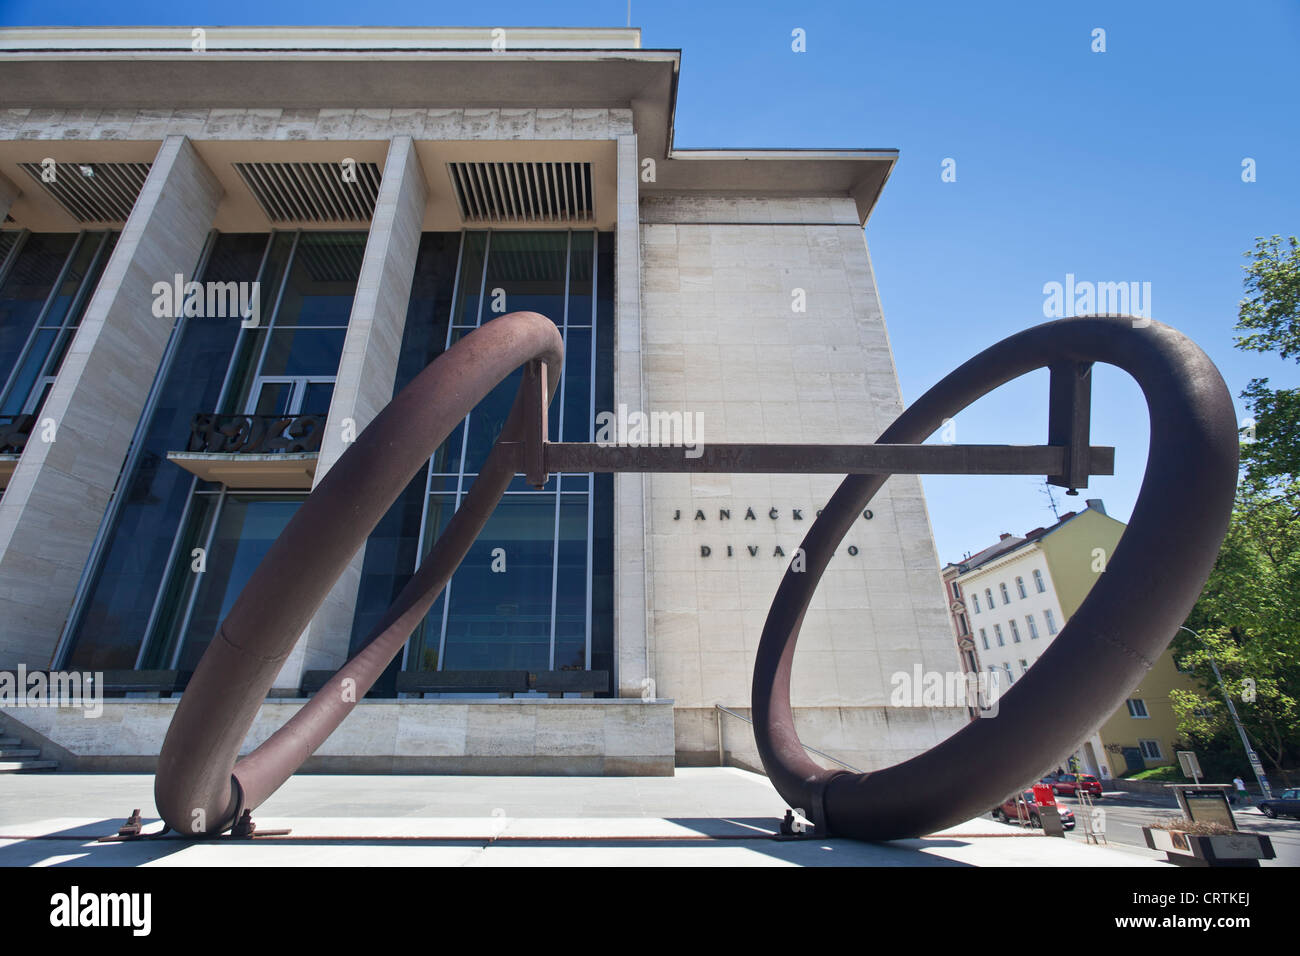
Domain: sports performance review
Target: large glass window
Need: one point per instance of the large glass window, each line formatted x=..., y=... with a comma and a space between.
x=8, y=242
x=290, y=363
x=548, y=605
x=124, y=583
x=47, y=283
x=145, y=605
x=234, y=531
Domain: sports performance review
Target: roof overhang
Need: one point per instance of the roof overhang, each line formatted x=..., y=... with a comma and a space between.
x=358, y=68
x=858, y=173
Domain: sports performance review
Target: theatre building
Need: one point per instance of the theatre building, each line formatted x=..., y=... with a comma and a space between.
x=224, y=251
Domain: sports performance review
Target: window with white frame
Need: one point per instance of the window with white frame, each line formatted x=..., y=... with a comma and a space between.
x=984, y=638
x=1011, y=678
x=1051, y=621
x=1033, y=627
x=1020, y=587
x=1015, y=631
x=1151, y=749
x=988, y=593
x=1137, y=707
x=997, y=632
x=975, y=600
x=1038, y=581
x=1024, y=666
x=1006, y=597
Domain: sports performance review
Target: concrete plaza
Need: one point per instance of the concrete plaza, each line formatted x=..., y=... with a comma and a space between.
x=699, y=817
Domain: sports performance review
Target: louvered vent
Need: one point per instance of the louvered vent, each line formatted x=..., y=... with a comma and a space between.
x=94, y=192
x=523, y=192
x=312, y=192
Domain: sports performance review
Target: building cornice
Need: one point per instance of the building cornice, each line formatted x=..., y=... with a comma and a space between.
x=285, y=68
x=224, y=38
x=1001, y=561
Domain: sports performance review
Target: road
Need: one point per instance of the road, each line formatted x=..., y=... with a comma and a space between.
x=1127, y=813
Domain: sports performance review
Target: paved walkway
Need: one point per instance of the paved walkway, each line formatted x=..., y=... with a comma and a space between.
x=702, y=816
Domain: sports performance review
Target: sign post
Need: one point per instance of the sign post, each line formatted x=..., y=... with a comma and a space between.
x=1190, y=766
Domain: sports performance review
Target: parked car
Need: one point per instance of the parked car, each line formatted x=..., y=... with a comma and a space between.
x=1069, y=784
x=1009, y=813
x=1287, y=805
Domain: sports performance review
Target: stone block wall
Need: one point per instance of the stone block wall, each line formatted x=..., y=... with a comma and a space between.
x=762, y=315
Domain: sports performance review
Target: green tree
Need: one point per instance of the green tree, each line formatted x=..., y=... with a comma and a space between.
x=1270, y=318
x=1248, y=619
x=1248, y=616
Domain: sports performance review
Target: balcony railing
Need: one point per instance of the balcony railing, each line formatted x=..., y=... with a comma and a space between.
x=255, y=434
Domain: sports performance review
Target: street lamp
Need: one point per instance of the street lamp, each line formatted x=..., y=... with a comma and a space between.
x=1253, y=757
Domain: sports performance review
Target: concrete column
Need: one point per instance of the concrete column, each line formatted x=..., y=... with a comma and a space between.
x=8, y=193
x=53, y=506
x=632, y=600
x=367, y=372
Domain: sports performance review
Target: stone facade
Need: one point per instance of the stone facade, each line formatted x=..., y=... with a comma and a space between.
x=315, y=124
x=366, y=375
x=724, y=336
x=757, y=310
x=522, y=736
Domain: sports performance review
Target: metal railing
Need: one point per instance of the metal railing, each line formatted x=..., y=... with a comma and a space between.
x=722, y=760
x=255, y=434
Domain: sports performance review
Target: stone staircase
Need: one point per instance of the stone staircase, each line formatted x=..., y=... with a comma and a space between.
x=15, y=758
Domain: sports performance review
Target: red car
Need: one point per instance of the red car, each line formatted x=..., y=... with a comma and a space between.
x=1069, y=784
x=1028, y=810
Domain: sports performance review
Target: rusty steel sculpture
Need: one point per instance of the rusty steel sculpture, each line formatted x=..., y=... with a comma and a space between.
x=1150, y=583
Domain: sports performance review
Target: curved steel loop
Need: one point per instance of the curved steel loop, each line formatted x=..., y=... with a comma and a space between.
x=198, y=785
x=1127, y=620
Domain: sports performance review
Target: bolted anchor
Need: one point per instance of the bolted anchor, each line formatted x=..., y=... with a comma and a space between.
x=131, y=829
x=246, y=829
x=793, y=827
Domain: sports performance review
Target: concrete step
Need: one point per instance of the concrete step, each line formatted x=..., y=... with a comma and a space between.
x=26, y=766
x=14, y=753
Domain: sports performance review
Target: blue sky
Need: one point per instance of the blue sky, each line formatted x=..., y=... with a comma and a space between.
x=1115, y=166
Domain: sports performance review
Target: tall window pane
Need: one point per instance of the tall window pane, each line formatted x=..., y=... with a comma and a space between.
x=551, y=598
x=501, y=620
x=118, y=605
